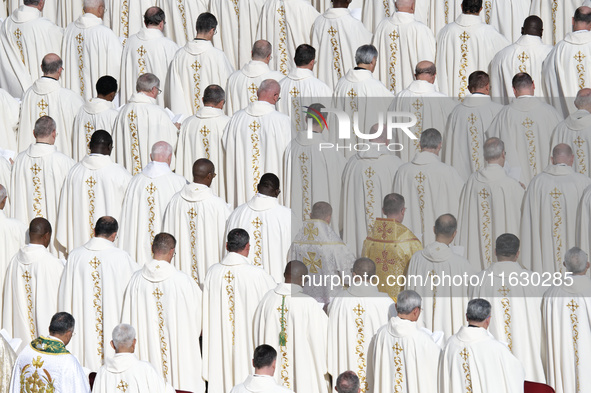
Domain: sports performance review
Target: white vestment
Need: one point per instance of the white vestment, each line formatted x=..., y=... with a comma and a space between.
x=269, y=226
x=575, y=131
x=91, y=289
x=25, y=38
x=196, y=217
x=126, y=17
x=232, y=291
x=336, y=35
x=143, y=208
x=403, y=358
x=373, y=12
x=430, y=189
x=8, y=358
x=301, y=358
x=255, y=141
x=464, y=46
x=549, y=215
x=525, y=55
x=243, y=85
x=96, y=114
x=260, y=383
x=506, y=16
x=47, y=98
x=9, y=114
x=30, y=292
x=528, y=149
x=402, y=42
x=557, y=17
x=68, y=12
x=437, y=14
x=490, y=205
x=367, y=179
x=95, y=187
x=12, y=238
x=181, y=17
x=89, y=50
x=147, y=51
x=139, y=125
x=164, y=306
x=201, y=137
x=194, y=67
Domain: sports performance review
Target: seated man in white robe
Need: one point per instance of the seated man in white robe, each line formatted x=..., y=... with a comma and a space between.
x=25, y=38
x=197, y=218
x=161, y=293
x=47, y=98
x=194, y=67
x=46, y=364
x=124, y=371
x=97, y=267
x=490, y=205
x=566, y=308
x=444, y=304
x=31, y=286
x=474, y=361
x=145, y=201
x=140, y=124
x=232, y=291
x=90, y=50
x=243, y=84
x=147, y=51
x=181, y=14
x=95, y=187
x=354, y=316
x=264, y=362
x=9, y=114
x=529, y=149
x=549, y=213
x=294, y=323
x=403, y=346
x=467, y=124
x=516, y=318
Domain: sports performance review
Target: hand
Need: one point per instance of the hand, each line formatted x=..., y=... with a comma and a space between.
x=177, y=125
x=522, y=185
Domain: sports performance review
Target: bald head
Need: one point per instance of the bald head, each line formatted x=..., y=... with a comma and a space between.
x=445, y=228
x=154, y=18
x=3, y=196
x=533, y=25
x=203, y=171
x=383, y=137
x=583, y=99
x=295, y=272
x=95, y=7
x=425, y=71
x=365, y=268
x=51, y=65
x=40, y=231
x=321, y=211
x=161, y=152
x=405, y=6
x=261, y=51
x=269, y=91
x=562, y=154
x=582, y=19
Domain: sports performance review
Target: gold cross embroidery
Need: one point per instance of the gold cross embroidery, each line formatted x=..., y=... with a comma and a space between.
x=257, y=223
x=394, y=35
x=229, y=277
x=523, y=57
x=192, y=213
x=254, y=126
x=579, y=142
x=484, y=194
x=572, y=305
x=18, y=34
x=397, y=348
x=369, y=172
x=157, y=293
x=204, y=131
x=151, y=189
x=89, y=127
x=528, y=122
x=196, y=66
x=95, y=263
x=579, y=57
x=122, y=386
x=312, y=262
x=420, y=177
x=464, y=37
x=132, y=116
x=310, y=231
x=294, y=92
x=90, y=182
x=472, y=119
x=556, y=193
x=27, y=276
x=504, y=291
x=352, y=93
x=303, y=158
x=141, y=51
x=253, y=88
x=35, y=168
x=465, y=354
x=358, y=310
x=42, y=105
x=80, y=39
x=332, y=31
x=417, y=105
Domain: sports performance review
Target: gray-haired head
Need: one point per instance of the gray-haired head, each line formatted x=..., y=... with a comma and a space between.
x=44, y=126
x=562, y=154
x=430, y=139
x=365, y=54
x=161, y=152
x=583, y=99
x=478, y=310
x=493, y=149
x=123, y=336
x=213, y=95
x=269, y=91
x=95, y=7
x=321, y=211
x=51, y=64
x=261, y=50
x=445, y=225
x=3, y=194
x=407, y=301
x=575, y=260
x=347, y=382
x=147, y=82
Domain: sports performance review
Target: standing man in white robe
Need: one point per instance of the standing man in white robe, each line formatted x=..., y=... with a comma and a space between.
x=47, y=98
x=466, y=45
x=197, y=218
x=264, y=362
x=560, y=16
x=293, y=322
x=194, y=67
x=9, y=114
x=147, y=51
x=373, y=13
x=507, y=16
x=181, y=13
x=25, y=38
x=92, y=288
x=549, y=213
x=232, y=291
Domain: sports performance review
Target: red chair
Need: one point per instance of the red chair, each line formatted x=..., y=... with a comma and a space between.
x=534, y=387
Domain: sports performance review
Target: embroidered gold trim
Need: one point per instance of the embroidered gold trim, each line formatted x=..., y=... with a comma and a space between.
x=229, y=277
x=418, y=127
x=204, y=131
x=393, y=59
x=236, y=9
x=420, y=178
x=17, y=34
x=352, y=94
x=398, y=375
x=89, y=130
x=485, y=230
x=181, y=8
x=370, y=198
x=554, y=11
x=572, y=306
x=464, y=37
x=506, y=315
x=360, y=348
x=557, y=227
x=193, y=238
x=431, y=275
x=125, y=18
x=42, y=105
x=122, y=386
x=258, y=239
x=523, y=57
x=284, y=374
x=312, y=262
x=98, y=304
x=80, y=49
x=151, y=206
x=446, y=11
x=579, y=57
x=163, y=345
x=531, y=144
x=141, y=61
x=488, y=9
x=336, y=56
x=256, y=154
x=196, y=66
x=295, y=106
x=311, y=231
x=135, y=143
x=90, y=182
x=475, y=142
x=37, y=196
x=579, y=142
x=305, y=171
x=252, y=90
x=466, y=367
x=282, y=40
x=30, y=309
x=386, y=8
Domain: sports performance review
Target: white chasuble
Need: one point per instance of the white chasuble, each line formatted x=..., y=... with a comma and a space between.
x=94, y=188
x=583, y=231
x=260, y=383
x=367, y=179
x=232, y=291
x=9, y=115
x=143, y=208
x=336, y=35
x=30, y=292
x=464, y=46
x=96, y=114
x=295, y=325
x=164, y=306
x=194, y=67
x=373, y=12
x=575, y=131
x=557, y=17
x=490, y=205
x=269, y=227
x=437, y=14
x=147, y=51
x=506, y=16
x=255, y=141
x=196, y=217
x=12, y=238
x=7, y=359
x=90, y=50
x=139, y=125
x=91, y=289
x=549, y=216
x=515, y=316
x=402, y=42
x=25, y=38
x=526, y=127
x=286, y=24
x=473, y=361
x=443, y=305
x=354, y=317
x=431, y=188
x=181, y=17
x=526, y=55
x=403, y=358
x=124, y=372
x=566, y=319
x=68, y=12
x=126, y=17
x=5, y=170
x=47, y=98
x=201, y=137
